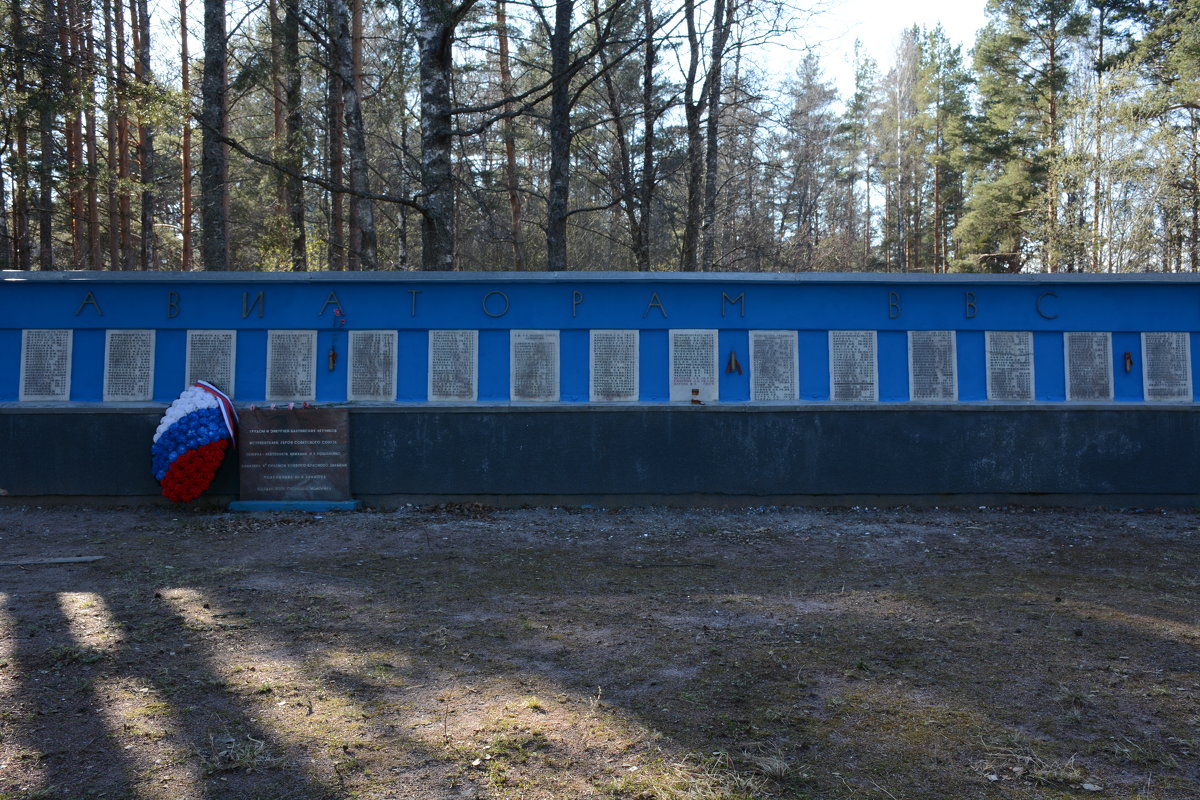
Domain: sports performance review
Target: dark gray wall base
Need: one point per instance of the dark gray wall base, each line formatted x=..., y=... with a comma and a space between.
x=675, y=455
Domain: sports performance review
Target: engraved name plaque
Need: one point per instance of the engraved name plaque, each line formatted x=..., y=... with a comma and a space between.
x=128, y=366
x=372, y=369
x=693, y=363
x=211, y=357
x=291, y=365
x=1009, y=365
x=932, y=366
x=453, y=366
x=301, y=454
x=774, y=367
x=613, y=374
x=853, y=367
x=45, y=365
x=1087, y=359
x=533, y=356
x=1167, y=367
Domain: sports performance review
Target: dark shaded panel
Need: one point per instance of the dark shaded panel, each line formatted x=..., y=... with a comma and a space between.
x=661, y=451
x=84, y=452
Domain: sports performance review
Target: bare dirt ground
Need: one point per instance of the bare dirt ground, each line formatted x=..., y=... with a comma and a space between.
x=550, y=653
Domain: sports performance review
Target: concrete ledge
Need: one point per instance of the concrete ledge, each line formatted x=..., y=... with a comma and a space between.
x=295, y=505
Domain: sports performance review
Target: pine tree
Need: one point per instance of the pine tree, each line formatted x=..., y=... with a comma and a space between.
x=1022, y=59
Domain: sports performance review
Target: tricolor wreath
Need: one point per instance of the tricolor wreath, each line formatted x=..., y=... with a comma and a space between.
x=191, y=441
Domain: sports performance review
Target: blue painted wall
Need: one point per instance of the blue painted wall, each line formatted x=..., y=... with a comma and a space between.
x=574, y=303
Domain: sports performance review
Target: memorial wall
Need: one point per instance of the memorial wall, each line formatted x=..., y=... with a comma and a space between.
x=598, y=338
x=497, y=343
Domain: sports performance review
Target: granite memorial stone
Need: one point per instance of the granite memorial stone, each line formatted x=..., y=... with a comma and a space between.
x=1009, y=359
x=853, y=367
x=45, y=365
x=453, y=366
x=693, y=365
x=212, y=357
x=613, y=368
x=533, y=360
x=774, y=367
x=128, y=366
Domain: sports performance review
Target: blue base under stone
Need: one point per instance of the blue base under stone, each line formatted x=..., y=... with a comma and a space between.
x=295, y=505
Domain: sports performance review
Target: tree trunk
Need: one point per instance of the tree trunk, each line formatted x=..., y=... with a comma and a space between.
x=695, y=146
x=356, y=234
x=6, y=243
x=1194, y=239
x=294, y=135
x=111, y=136
x=95, y=256
x=337, y=171
x=437, y=224
x=46, y=129
x=278, y=147
x=560, y=137
x=20, y=166
x=510, y=145
x=722, y=20
x=146, y=141
x=1096, y=134
x=1052, y=182
x=124, y=213
x=641, y=245
x=185, y=149
x=214, y=190
x=71, y=65
x=362, y=251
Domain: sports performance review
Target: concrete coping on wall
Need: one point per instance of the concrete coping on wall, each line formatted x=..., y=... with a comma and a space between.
x=737, y=407
x=86, y=276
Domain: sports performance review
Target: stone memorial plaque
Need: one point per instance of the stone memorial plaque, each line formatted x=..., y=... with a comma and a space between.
x=774, y=366
x=291, y=366
x=1167, y=366
x=372, y=369
x=853, y=367
x=533, y=360
x=45, y=365
x=1009, y=365
x=932, y=366
x=1087, y=360
x=613, y=368
x=212, y=357
x=693, y=364
x=128, y=366
x=453, y=366
x=300, y=454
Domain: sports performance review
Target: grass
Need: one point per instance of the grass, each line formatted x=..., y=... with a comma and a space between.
x=228, y=752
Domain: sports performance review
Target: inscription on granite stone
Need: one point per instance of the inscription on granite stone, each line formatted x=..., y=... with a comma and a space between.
x=453, y=366
x=693, y=364
x=372, y=371
x=932, y=366
x=773, y=366
x=211, y=357
x=45, y=365
x=128, y=366
x=291, y=366
x=853, y=369
x=1087, y=358
x=301, y=454
x=533, y=356
x=614, y=366
x=1167, y=366
x=1009, y=365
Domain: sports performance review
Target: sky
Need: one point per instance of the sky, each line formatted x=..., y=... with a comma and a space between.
x=877, y=23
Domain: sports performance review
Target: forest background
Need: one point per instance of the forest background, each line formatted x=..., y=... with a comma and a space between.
x=592, y=134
